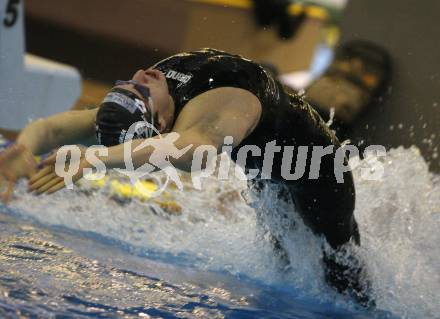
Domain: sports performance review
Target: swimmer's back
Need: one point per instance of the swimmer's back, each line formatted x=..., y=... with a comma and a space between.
x=285, y=117
x=193, y=73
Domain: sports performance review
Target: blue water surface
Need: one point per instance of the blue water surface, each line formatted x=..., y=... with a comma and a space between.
x=50, y=272
x=86, y=254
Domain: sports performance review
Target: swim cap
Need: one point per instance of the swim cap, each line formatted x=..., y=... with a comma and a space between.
x=119, y=110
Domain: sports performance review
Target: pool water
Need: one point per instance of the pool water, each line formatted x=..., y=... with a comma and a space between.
x=84, y=254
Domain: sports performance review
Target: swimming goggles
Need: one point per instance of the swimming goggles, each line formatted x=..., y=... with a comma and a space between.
x=145, y=92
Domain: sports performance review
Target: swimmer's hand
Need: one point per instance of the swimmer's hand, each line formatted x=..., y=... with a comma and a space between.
x=47, y=181
x=15, y=162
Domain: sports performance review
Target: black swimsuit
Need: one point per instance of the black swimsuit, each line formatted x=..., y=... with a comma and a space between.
x=325, y=205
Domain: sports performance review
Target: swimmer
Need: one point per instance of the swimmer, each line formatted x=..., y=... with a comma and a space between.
x=205, y=96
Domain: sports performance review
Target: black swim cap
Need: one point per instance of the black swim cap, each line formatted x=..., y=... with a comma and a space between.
x=119, y=110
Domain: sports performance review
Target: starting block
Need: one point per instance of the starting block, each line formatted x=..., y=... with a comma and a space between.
x=30, y=87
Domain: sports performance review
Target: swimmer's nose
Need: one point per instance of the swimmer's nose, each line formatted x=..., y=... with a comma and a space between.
x=141, y=77
x=156, y=74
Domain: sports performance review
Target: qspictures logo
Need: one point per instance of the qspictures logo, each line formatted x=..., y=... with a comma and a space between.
x=206, y=160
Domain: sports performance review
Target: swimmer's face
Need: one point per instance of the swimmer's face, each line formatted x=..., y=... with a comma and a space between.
x=157, y=83
x=163, y=105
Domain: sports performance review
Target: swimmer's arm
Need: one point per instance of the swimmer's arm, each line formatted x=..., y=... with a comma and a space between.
x=71, y=127
x=238, y=117
x=210, y=131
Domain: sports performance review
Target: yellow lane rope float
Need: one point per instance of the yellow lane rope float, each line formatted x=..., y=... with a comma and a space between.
x=312, y=11
x=144, y=191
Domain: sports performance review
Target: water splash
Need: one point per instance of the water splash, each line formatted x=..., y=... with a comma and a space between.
x=398, y=217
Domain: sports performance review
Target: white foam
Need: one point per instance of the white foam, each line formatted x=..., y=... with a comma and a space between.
x=399, y=218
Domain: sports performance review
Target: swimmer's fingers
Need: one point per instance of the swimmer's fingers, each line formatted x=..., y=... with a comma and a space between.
x=35, y=185
x=47, y=166
x=49, y=184
x=46, y=170
x=56, y=187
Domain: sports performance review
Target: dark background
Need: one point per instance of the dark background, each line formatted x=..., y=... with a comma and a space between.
x=408, y=115
x=410, y=31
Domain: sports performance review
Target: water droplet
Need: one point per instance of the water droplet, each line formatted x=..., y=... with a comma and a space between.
x=331, y=118
x=390, y=89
